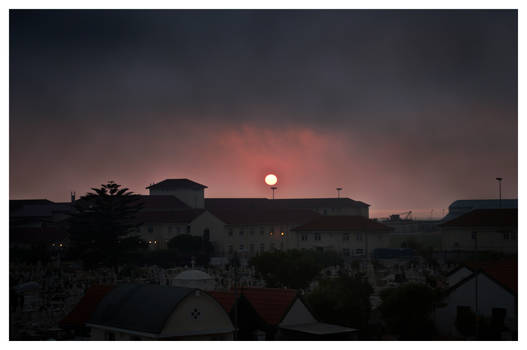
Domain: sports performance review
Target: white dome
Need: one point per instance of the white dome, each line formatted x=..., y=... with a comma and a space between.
x=193, y=275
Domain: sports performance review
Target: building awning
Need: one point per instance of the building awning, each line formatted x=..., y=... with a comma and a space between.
x=318, y=328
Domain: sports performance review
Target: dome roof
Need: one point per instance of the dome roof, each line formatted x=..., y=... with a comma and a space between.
x=193, y=275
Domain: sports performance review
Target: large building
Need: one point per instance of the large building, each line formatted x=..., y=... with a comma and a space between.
x=484, y=230
x=245, y=226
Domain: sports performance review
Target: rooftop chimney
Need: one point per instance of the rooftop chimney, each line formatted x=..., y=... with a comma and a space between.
x=72, y=197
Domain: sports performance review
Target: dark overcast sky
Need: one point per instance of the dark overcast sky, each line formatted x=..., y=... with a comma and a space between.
x=403, y=109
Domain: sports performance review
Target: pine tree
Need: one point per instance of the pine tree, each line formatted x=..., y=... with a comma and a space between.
x=103, y=224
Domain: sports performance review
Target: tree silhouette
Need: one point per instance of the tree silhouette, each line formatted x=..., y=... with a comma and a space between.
x=103, y=224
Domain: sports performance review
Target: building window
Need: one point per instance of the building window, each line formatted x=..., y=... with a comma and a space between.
x=303, y=237
x=345, y=236
x=188, y=229
x=346, y=252
x=241, y=247
x=282, y=234
x=262, y=247
x=251, y=248
x=317, y=236
x=507, y=235
x=359, y=251
x=230, y=249
x=359, y=236
x=241, y=232
x=261, y=231
x=251, y=232
x=150, y=229
x=230, y=232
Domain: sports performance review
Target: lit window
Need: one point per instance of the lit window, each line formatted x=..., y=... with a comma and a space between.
x=282, y=234
x=149, y=242
x=271, y=233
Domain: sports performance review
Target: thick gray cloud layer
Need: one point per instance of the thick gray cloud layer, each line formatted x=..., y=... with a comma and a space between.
x=426, y=97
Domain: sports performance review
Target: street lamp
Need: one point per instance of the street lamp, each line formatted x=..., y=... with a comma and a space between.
x=499, y=185
x=274, y=188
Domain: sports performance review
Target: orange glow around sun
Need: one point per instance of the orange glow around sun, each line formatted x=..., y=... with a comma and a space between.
x=271, y=179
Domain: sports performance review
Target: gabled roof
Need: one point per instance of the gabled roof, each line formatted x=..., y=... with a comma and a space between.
x=281, y=204
x=162, y=203
x=136, y=307
x=503, y=271
x=86, y=306
x=485, y=218
x=165, y=217
x=314, y=203
x=251, y=216
x=226, y=299
x=170, y=184
x=271, y=304
x=343, y=223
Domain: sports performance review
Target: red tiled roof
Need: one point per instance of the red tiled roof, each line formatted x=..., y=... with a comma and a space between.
x=504, y=271
x=250, y=216
x=271, y=304
x=343, y=223
x=226, y=299
x=175, y=216
x=176, y=183
x=86, y=306
x=485, y=218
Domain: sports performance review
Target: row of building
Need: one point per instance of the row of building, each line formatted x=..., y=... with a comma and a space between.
x=248, y=226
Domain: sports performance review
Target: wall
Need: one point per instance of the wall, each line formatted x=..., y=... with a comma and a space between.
x=298, y=314
x=212, y=318
x=488, y=240
x=490, y=295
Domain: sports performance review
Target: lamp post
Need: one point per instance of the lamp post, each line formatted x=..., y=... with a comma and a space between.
x=274, y=188
x=499, y=186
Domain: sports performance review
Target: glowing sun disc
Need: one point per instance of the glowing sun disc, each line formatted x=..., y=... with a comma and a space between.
x=271, y=179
